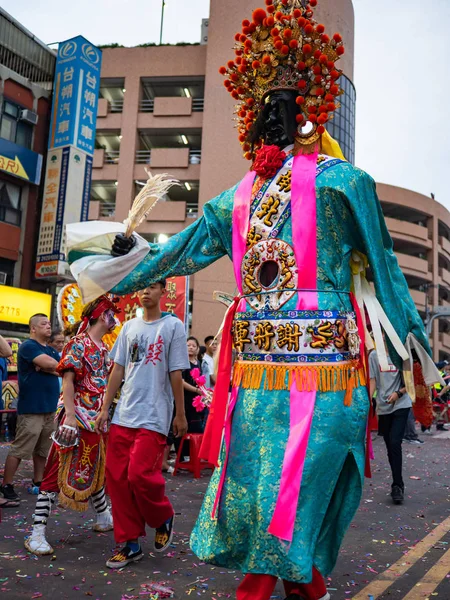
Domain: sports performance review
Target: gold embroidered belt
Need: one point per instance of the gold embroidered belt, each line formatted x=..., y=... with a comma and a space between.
x=277, y=348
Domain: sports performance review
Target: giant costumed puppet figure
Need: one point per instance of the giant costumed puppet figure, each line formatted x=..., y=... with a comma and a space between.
x=300, y=228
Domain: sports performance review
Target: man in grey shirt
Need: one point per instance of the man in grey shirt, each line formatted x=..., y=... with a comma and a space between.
x=393, y=408
x=149, y=356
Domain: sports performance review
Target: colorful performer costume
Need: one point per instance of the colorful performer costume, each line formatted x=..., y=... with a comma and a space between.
x=76, y=474
x=299, y=229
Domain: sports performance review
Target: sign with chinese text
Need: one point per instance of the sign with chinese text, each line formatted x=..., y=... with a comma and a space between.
x=65, y=200
x=17, y=305
x=67, y=187
x=76, y=85
x=176, y=298
x=20, y=162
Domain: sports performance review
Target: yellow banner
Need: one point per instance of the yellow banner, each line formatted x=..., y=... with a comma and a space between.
x=17, y=305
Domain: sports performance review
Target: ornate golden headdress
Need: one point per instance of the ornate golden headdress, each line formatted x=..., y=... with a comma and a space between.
x=283, y=47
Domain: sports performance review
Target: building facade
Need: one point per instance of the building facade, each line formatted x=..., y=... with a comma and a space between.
x=420, y=229
x=26, y=75
x=165, y=108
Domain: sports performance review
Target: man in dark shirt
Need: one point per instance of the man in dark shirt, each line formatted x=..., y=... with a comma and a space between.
x=38, y=397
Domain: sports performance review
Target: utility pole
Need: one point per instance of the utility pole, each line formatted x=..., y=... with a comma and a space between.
x=162, y=21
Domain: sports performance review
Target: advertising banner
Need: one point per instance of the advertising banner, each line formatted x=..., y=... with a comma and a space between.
x=71, y=147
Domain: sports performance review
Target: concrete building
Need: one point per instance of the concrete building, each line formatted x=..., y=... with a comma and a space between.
x=166, y=107
x=26, y=76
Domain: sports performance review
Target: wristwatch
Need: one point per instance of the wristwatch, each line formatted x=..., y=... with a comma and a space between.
x=399, y=394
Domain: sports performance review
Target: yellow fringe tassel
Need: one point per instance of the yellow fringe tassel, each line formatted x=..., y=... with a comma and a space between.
x=340, y=377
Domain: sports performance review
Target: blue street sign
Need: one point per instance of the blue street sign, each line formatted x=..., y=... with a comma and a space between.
x=75, y=100
x=20, y=162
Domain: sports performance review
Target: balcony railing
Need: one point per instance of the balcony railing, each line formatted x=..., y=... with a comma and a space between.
x=198, y=104
x=143, y=157
x=111, y=157
x=116, y=106
x=148, y=105
x=192, y=209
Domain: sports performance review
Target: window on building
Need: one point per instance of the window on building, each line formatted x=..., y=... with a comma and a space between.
x=10, y=203
x=11, y=128
x=6, y=271
x=104, y=192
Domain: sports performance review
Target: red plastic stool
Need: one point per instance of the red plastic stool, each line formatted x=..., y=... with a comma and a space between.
x=195, y=464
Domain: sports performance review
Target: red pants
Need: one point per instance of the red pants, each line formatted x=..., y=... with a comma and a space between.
x=50, y=478
x=135, y=482
x=260, y=587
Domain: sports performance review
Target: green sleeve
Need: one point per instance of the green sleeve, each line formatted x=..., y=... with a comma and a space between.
x=374, y=240
x=198, y=246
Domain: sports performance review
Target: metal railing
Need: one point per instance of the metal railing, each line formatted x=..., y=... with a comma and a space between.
x=192, y=209
x=111, y=157
x=148, y=105
x=198, y=104
x=143, y=157
x=116, y=106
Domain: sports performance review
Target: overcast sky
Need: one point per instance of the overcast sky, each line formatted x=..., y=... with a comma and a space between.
x=402, y=73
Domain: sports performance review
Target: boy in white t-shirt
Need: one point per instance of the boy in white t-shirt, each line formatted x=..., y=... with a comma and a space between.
x=149, y=356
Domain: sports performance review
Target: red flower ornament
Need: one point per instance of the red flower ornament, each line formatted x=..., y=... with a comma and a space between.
x=268, y=161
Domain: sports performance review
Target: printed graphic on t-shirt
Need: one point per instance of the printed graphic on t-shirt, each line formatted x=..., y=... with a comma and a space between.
x=137, y=350
x=154, y=352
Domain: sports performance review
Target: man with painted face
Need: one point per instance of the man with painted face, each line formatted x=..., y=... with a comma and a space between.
x=75, y=469
x=289, y=442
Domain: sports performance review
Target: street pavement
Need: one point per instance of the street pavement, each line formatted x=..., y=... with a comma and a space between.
x=390, y=552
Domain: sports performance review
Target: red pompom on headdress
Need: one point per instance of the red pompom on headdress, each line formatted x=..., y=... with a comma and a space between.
x=283, y=47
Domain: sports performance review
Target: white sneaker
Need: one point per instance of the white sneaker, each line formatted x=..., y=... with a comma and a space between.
x=104, y=522
x=37, y=542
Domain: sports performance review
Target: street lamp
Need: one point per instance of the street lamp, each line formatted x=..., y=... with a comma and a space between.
x=162, y=21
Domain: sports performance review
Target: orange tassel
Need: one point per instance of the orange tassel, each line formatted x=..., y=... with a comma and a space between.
x=350, y=387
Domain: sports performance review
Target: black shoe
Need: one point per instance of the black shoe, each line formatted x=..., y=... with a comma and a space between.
x=8, y=492
x=441, y=427
x=397, y=494
x=163, y=536
x=122, y=558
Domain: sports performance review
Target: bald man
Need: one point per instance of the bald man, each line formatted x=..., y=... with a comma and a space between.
x=38, y=397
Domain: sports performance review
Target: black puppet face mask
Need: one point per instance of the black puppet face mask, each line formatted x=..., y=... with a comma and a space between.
x=279, y=125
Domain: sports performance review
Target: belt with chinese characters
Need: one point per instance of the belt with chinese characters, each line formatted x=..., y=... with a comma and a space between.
x=291, y=336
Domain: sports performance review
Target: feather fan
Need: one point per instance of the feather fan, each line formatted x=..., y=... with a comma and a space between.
x=155, y=188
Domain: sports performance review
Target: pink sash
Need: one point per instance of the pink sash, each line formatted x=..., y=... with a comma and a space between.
x=304, y=239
